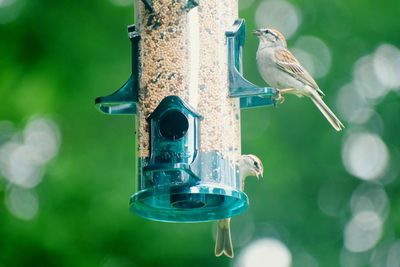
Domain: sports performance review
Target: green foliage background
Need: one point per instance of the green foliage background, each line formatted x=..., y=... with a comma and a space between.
x=57, y=56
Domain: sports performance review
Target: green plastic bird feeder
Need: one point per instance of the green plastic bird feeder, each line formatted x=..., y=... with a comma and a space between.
x=186, y=89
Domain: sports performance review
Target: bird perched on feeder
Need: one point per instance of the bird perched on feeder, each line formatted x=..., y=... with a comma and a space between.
x=279, y=68
x=249, y=165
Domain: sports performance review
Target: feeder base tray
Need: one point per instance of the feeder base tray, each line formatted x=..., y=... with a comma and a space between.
x=199, y=203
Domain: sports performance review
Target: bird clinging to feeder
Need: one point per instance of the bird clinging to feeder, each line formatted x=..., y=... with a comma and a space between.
x=249, y=165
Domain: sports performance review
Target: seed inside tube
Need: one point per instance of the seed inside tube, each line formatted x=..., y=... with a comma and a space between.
x=184, y=53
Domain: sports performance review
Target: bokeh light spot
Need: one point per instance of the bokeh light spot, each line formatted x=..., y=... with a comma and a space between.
x=265, y=252
x=22, y=203
x=22, y=160
x=363, y=231
x=352, y=105
x=386, y=63
x=368, y=83
x=280, y=15
x=23, y=170
x=314, y=55
x=365, y=155
x=370, y=197
x=44, y=136
x=18, y=166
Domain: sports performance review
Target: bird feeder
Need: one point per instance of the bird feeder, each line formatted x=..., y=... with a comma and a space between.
x=186, y=90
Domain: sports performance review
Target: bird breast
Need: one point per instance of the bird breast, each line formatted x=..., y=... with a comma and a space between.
x=267, y=66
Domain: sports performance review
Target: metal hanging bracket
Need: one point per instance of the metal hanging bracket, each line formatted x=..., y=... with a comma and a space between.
x=250, y=94
x=124, y=100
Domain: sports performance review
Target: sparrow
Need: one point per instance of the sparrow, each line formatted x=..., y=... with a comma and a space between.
x=249, y=165
x=279, y=68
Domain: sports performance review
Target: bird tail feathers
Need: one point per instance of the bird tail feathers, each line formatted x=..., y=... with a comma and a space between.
x=223, y=242
x=325, y=110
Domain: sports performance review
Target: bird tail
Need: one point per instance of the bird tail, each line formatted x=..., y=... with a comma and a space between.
x=223, y=242
x=325, y=110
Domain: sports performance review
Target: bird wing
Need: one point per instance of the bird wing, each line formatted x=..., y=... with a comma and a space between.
x=289, y=64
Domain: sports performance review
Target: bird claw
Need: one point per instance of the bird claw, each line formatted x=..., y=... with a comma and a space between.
x=279, y=99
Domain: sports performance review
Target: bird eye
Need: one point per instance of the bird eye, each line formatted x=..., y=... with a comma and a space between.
x=272, y=33
x=256, y=164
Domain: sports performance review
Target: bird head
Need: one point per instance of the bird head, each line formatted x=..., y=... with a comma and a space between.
x=270, y=37
x=250, y=165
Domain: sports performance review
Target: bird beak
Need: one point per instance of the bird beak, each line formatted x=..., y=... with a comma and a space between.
x=259, y=174
x=257, y=32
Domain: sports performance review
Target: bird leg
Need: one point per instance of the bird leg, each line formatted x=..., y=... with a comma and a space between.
x=286, y=90
x=280, y=99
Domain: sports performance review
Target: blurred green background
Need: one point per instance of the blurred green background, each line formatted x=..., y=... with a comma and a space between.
x=67, y=171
